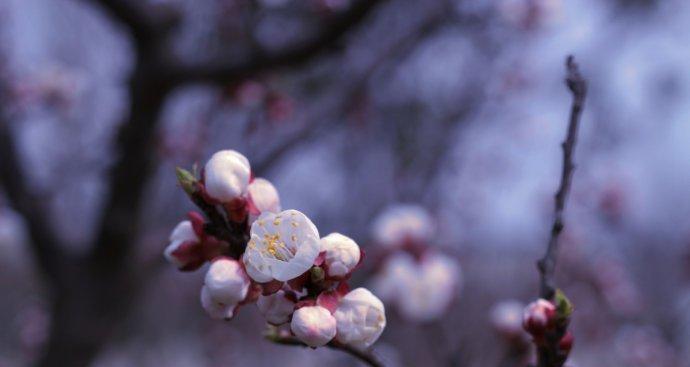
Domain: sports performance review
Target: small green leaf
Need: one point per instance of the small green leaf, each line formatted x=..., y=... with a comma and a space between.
x=564, y=308
x=187, y=180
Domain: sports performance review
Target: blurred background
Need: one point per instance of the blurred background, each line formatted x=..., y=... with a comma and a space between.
x=348, y=107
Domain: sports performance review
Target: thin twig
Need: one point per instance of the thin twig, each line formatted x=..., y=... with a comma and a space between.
x=363, y=355
x=548, y=351
x=547, y=265
x=228, y=71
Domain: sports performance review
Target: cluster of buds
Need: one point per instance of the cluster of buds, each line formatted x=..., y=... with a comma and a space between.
x=419, y=281
x=276, y=259
x=547, y=322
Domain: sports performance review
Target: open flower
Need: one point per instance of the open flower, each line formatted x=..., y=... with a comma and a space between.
x=282, y=246
x=183, y=248
x=313, y=325
x=276, y=308
x=360, y=318
x=226, y=175
x=342, y=254
x=262, y=197
x=403, y=223
x=225, y=286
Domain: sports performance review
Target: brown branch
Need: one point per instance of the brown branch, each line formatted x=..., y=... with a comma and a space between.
x=549, y=353
x=363, y=355
x=44, y=242
x=547, y=265
x=228, y=71
x=144, y=22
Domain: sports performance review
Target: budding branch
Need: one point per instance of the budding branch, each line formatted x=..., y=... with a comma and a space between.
x=547, y=265
x=548, y=351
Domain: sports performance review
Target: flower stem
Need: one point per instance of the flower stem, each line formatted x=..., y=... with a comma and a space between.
x=363, y=355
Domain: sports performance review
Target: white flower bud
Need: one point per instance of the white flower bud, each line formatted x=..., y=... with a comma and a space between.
x=225, y=285
x=276, y=308
x=434, y=286
x=216, y=310
x=506, y=317
x=360, y=318
x=282, y=246
x=226, y=175
x=183, y=233
x=403, y=223
x=342, y=254
x=263, y=197
x=313, y=325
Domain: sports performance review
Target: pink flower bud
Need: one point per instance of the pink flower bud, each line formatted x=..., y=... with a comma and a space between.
x=226, y=175
x=361, y=318
x=539, y=316
x=342, y=254
x=276, y=308
x=225, y=285
x=184, y=250
x=313, y=325
x=262, y=196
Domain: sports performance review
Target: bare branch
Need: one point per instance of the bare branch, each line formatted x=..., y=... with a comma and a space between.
x=364, y=356
x=44, y=243
x=144, y=22
x=227, y=71
x=547, y=265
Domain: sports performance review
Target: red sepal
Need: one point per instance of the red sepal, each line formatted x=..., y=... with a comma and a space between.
x=271, y=287
x=190, y=254
x=298, y=283
x=305, y=303
x=328, y=300
x=321, y=259
x=197, y=221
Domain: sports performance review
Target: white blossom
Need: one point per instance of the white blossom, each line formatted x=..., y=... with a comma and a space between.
x=360, y=318
x=506, y=317
x=226, y=175
x=422, y=290
x=436, y=285
x=263, y=197
x=282, y=246
x=225, y=285
x=276, y=308
x=182, y=233
x=342, y=254
x=313, y=325
x=401, y=223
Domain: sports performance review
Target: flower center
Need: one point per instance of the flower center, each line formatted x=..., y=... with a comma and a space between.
x=277, y=248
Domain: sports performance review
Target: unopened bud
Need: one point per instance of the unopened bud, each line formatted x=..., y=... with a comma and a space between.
x=186, y=180
x=313, y=325
x=342, y=254
x=226, y=175
x=539, y=316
